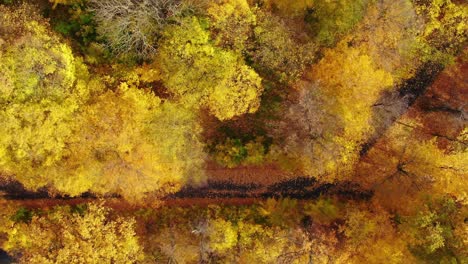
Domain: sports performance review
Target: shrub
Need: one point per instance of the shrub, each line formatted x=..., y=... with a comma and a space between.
x=233, y=152
x=78, y=24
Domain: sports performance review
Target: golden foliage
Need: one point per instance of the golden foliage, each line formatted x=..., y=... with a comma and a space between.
x=349, y=76
x=42, y=87
x=60, y=236
x=201, y=74
x=132, y=144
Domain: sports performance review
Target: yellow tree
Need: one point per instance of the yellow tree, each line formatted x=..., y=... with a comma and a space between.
x=131, y=143
x=60, y=236
x=445, y=31
x=245, y=241
x=42, y=86
x=232, y=23
x=278, y=51
x=369, y=231
x=349, y=78
x=389, y=34
x=53, y=135
x=273, y=46
x=201, y=74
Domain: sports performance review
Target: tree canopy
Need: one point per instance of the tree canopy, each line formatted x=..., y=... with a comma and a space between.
x=202, y=74
x=233, y=131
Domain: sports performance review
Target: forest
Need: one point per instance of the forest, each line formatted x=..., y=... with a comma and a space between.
x=234, y=131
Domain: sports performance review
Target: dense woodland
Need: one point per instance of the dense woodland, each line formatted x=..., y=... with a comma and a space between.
x=115, y=112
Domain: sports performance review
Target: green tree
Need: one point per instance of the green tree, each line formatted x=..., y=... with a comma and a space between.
x=435, y=232
x=279, y=212
x=324, y=210
x=234, y=152
x=333, y=19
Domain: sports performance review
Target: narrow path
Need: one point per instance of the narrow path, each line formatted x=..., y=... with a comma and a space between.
x=225, y=193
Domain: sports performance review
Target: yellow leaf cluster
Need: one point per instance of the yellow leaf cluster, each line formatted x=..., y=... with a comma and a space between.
x=132, y=144
x=445, y=24
x=350, y=77
x=42, y=87
x=201, y=74
x=232, y=22
x=61, y=236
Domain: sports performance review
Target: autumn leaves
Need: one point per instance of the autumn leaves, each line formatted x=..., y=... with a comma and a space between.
x=73, y=132
x=100, y=127
x=201, y=74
